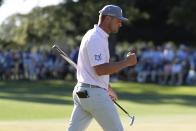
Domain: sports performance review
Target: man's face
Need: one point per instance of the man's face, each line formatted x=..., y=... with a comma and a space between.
x=115, y=24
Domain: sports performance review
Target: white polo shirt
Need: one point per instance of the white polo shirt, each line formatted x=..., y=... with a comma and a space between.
x=93, y=51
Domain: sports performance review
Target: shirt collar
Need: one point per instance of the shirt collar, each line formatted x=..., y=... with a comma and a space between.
x=101, y=31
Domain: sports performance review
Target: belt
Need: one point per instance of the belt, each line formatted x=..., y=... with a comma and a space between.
x=89, y=85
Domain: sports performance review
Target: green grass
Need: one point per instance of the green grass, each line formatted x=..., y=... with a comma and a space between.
x=28, y=100
x=151, y=99
x=37, y=100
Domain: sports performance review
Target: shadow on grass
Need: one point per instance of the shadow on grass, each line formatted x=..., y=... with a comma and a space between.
x=48, y=92
x=60, y=92
x=38, y=99
x=156, y=94
x=155, y=98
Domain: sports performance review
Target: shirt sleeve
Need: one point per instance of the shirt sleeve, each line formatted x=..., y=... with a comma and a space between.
x=96, y=52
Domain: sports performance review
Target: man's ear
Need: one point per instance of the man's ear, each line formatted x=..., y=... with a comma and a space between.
x=108, y=18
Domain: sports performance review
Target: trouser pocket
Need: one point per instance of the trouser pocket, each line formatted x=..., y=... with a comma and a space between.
x=82, y=94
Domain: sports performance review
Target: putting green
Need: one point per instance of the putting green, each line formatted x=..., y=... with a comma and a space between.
x=166, y=123
x=47, y=105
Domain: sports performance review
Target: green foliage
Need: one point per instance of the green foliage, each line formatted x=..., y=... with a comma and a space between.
x=45, y=25
x=183, y=14
x=64, y=23
x=10, y=31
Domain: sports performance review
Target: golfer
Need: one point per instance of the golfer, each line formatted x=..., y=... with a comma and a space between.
x=93, y=96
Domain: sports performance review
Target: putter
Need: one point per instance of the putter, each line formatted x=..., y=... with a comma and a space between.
x=66, y=58
x=131, y=118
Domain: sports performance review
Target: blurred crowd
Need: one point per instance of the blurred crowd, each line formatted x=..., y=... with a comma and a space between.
x=165, y=65
x=32, y=65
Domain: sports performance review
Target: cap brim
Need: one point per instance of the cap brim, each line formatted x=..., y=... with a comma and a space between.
x=123, y=19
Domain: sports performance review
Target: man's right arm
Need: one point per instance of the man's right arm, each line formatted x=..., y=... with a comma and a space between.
x=110, y=68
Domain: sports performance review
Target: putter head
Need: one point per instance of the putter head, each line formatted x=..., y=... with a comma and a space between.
x=53, y=46
x=131, y=120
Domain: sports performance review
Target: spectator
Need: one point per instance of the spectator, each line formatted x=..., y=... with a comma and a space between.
x=168, y=52
x=155, y=64
x=191, y=77
x=166, y=74
x=176, y=72
x=182, y=53
x=74, y=54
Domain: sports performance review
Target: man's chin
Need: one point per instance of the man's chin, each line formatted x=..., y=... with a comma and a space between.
x=116, y=31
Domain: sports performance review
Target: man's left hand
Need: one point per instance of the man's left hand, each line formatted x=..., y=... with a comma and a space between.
x=112, y=94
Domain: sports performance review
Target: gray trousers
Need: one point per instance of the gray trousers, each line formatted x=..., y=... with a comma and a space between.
x=99, y=106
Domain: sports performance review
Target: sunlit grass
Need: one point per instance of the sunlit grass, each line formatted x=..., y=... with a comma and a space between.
x=37, y=100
